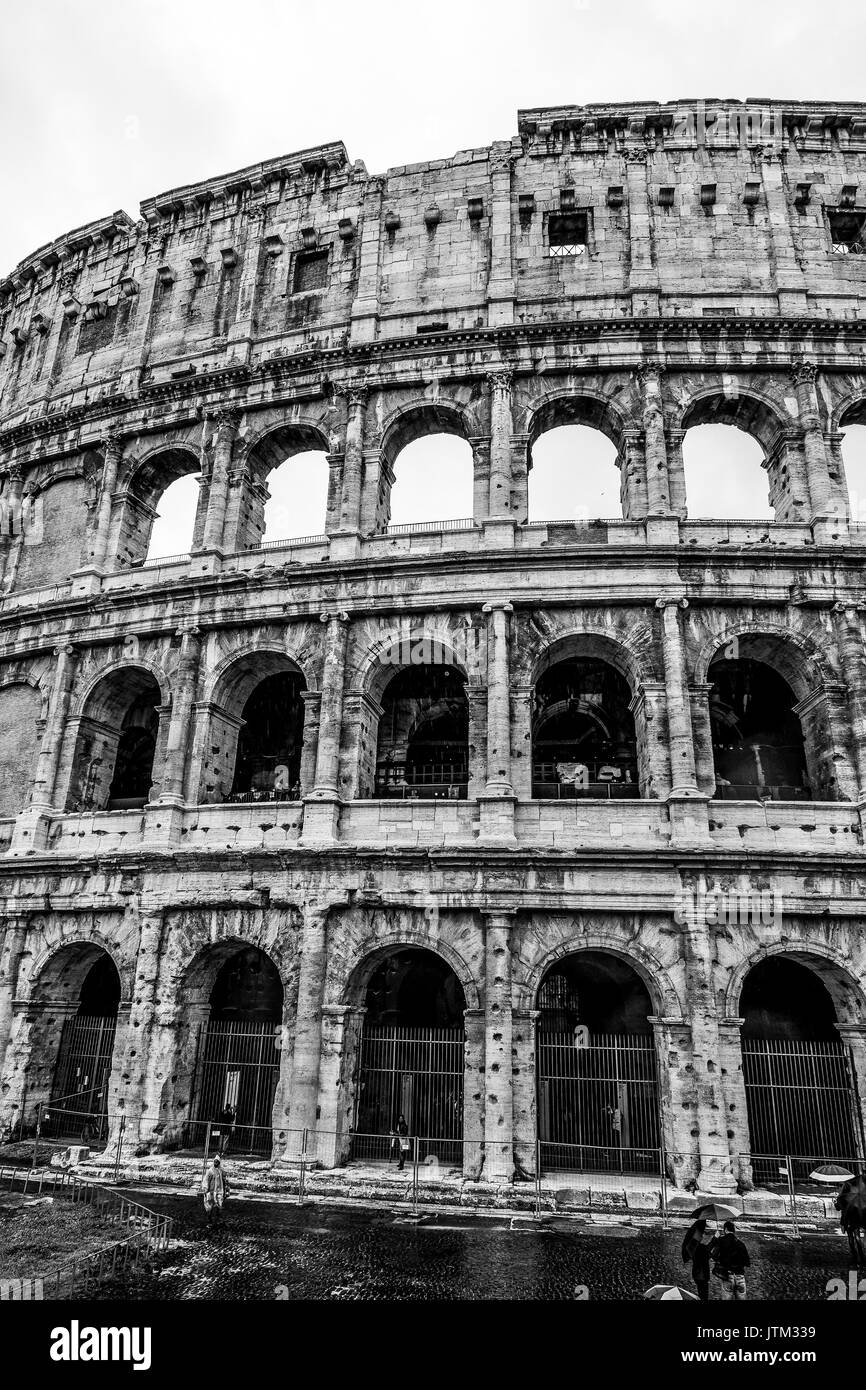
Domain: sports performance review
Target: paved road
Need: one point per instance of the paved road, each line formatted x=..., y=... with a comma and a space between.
x=270, y=1249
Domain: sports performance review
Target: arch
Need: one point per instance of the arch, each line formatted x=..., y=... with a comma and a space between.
x=426, y=645
x=416, y=419
x=173, y=529
x=232, y=1002
x=50, y=970
x=234, y=679
x=422, y=733
x=774, y=644
x=604, y=646
x=584, y=741
x=831, y=965
x=115, y=735
x=78, y=989
x=256, y=513
x=748, y=410
x=663, y=996
x=584, y=407
x=246, y=730
x=147, y=480
x=349, y=982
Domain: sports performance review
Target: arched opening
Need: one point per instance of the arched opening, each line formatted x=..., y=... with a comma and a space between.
x=423, y=738
x=854, y=461
x=598, y=1095
x=283, y=490
x=724, y=474
x=270, y=744
x=298, y=500
x=410, y=1061
x=115, y=744
x=801, y=1096
x=76, y=1003
x=174, y=524
x=237, y=1052
x=160, y=512
x=583, y=734
x=758, y=746
x=433, y=481
x=574, y=476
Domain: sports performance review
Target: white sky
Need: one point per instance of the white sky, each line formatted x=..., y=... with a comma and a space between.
x=106, y=102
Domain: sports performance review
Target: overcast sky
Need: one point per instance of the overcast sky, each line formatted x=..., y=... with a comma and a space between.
x=103, y=104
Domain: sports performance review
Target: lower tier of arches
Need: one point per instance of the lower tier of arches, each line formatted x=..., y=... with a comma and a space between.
x=491, y=1042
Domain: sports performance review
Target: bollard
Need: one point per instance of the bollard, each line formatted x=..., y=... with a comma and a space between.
x=303, y=1173
x=415, y=1176
x=538, y=1177
x=663, y=1190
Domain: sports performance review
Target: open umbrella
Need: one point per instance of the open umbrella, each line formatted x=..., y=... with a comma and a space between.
x=830, y=1172
x=670, y=1293
x=715, y=1211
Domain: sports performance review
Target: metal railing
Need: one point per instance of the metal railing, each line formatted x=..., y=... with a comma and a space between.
x=411, y=528
x=752, y=791
x=288, y=543
x=593, y=791
x=152, y=562
x=148, y=1232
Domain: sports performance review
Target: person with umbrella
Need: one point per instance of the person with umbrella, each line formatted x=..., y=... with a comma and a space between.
x=731, y=1262
x=696, y=1250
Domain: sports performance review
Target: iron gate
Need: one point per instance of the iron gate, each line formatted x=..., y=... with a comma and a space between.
x=238, y=1065
x=801, y=1099
x=79, y=1090
x=416, y=1072
x=598, y=1106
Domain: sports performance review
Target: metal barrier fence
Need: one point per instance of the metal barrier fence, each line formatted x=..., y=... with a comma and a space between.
x=148, y=1231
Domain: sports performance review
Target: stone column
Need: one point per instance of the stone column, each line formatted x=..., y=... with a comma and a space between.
x=341, y=1032
x=521, y=742
x=335, y=488
x=48, y=759
x=110, y=466
x=643, y=280
x=714, y=1172
x=676, y=473
x=227, y=423
x=853, y=1035
x=497, y=803
x=849, y=637
x=501, y=426
x=13, y=511
x=12, y=939
x=365, y=307
x=632, y=467
x=138, y=1073
x=321, y=808
x=524, y=1041
x=689, y=821
x=499, y=1081
x=736, y=1110
x=500, y=285
x=676, y=1098
x=827, y=504
x=702, y=735
x=307, y=1050
x=309, y=748
x=180, y=723
x=349, y=527
x=655, y=450
x=480, y=444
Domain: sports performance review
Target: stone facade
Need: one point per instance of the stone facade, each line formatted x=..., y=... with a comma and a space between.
x=705, y=288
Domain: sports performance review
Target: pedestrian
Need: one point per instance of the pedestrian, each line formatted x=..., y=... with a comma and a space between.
x=401, y=1129
x=731, y=1262
x=696, y=1251
x=215, y=1191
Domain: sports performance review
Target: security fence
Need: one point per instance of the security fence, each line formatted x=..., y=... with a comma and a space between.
x=142, y=1233
x=801, y=1098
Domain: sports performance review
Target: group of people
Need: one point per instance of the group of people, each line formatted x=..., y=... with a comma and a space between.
x=712, y=1256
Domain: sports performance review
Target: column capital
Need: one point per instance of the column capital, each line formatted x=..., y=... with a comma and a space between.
x=499, y=605
x=648, y=373
x=501, y=379
x=356, y=392
x=65, y=649
x=227, y=421
x=340, y=616
x=804, y=373
x=672, y=603
x=113, y=440
x=187, y=630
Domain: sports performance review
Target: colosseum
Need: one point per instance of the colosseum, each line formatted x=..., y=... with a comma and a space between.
x=544, y=835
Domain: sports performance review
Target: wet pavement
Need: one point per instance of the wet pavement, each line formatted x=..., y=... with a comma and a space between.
x=267, y=1250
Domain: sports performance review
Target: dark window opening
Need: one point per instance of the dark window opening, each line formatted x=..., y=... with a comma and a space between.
x=848, y=233
x=423, y=749
x=758, y=747
x=100, y=992
x=583, y=739
x=248, y=988
x=417, y=989
x=268, y=766
x=311, y=271
x=133, y=768
x=596, y=990
x=783, y=999
x=567, y=233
